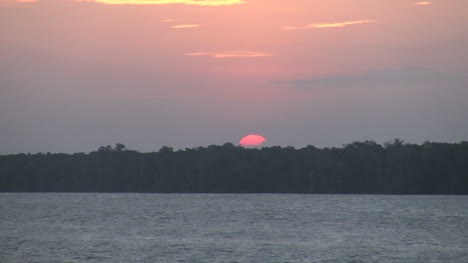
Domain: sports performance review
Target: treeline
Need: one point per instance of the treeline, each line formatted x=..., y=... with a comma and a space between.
x=359, y=167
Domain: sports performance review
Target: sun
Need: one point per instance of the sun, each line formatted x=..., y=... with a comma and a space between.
x=252, y=140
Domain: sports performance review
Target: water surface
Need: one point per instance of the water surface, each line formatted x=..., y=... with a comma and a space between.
x=53, y=227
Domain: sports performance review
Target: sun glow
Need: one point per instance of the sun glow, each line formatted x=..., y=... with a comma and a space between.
x=167, y=2
x=230, y=54
x=423, y=3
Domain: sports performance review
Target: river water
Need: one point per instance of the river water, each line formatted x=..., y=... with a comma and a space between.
x=57, y=227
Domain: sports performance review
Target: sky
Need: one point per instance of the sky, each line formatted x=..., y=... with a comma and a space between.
x=79, y=74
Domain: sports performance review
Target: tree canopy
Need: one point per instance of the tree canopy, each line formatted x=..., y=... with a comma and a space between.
x=359, y=167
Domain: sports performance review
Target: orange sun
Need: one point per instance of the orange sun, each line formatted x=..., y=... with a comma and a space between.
x=252, y=140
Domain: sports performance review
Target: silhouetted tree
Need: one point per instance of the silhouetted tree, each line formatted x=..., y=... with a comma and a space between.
x=359, y=167
x=119, y=147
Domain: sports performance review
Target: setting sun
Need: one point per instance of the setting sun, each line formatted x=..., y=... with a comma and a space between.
x=252, y=140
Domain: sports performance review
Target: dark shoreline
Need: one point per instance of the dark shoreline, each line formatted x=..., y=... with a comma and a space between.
x=358, y=168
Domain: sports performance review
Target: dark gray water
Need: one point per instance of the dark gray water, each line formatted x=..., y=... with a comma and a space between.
x=232, y=228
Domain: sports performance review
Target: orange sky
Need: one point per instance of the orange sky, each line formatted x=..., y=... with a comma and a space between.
x=318, y=70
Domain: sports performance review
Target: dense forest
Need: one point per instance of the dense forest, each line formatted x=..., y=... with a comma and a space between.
x=359, y=167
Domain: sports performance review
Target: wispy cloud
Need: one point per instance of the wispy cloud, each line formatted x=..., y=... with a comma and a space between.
x=185, y=26
x=399, y=76
x=167, y=2
x=167, y=20
x=328, y=25
x=198, y=54
x=423, y=3
x=230, y=54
